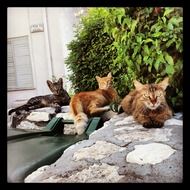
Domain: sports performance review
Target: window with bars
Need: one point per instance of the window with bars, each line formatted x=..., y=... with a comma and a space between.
x=19, y=64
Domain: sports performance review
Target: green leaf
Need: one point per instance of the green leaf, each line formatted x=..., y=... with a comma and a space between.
x=156, y=65
x=169, y=42
x=145, y=58
x=129, y=62
x=170, y=26
x=170, y=69
x=169, y=59
x=180, y=19
x=135, y=51
x=168, y=11
x=158, y=28
x=154, y=26
x=164, y=19
x=175, y=20
x=161, y=58
x=124, y=37
x=121, y=11
x=146, y=26
x=146, y=49
x=148, y=40
x=164, y=39
x=149, y=68
x=119, y=18
x=178, y=44
x=127, y=21
x=156, y=43
x=114, y=31
x=157, y=34
x=139, y=59
x=158, y=79
x=133, y=25
x=150, y=61
x=137, y=67
x=139, y=39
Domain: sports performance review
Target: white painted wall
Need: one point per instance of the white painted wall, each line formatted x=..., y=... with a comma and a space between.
x=18, y=25
x=60, y=27
x=56, y=38
x=48, y=48
x=17, y=22
x=65, y=27
x=39, y=52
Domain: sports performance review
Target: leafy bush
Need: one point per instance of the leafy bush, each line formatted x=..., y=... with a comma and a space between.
x=133, y=43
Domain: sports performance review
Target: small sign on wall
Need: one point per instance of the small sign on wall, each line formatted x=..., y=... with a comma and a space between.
x=36, y=28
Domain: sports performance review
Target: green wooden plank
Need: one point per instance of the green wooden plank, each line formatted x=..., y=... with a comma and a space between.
x=93, y=125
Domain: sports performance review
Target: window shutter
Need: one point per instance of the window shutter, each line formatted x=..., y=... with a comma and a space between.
x=19, y=64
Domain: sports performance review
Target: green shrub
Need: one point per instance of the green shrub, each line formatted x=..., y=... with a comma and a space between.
x=133, y=43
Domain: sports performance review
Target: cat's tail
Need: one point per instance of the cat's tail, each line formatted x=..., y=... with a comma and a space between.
x=23, y=107
x=11, y=111
x=80, y=118
x=81, y=121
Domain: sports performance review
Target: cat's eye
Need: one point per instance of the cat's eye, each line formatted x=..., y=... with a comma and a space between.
x=159, y=94
x=146, y=95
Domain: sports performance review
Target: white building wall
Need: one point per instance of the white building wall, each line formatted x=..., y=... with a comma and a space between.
x=17, y=22
x=18, y=25
x=39, y=52
x=55, y=36
x=48, y=48
x=68, y=34
x=60, y=27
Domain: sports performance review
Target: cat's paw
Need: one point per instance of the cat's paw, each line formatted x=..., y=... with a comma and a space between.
x=57, y=109
x=106, y=108
x=158, y=124
x=147, y=125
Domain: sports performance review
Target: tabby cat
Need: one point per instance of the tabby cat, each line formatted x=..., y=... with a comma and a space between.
x=147, y=104
x=59, y=98
x=92, y=103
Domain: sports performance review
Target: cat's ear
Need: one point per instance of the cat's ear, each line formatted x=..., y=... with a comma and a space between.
x=50, y=84
x=163, y=84
x=109, y=74
x=97, y=78
x=137, y=84
x=60, y=81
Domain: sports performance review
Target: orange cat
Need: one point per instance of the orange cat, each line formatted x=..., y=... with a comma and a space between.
x=147, y=104
x=92, y=103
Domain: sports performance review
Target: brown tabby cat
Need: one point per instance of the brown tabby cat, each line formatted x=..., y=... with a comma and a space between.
x=91, y=103
x=147, y=104
x=59, y=98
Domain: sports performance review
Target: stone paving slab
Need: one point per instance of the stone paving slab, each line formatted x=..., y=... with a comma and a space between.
x=121, y=151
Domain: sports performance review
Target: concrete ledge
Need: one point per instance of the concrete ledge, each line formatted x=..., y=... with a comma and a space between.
x=121, y=151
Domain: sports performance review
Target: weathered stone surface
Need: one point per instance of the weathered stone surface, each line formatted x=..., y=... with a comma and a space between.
x=29, y=125
x=65, y=116
x=38, y=116
x=174, y=122
x=96, y=173
x=99, y=150
x=143, y=135
x=151, y=153
x=106, y=155
x=39, y=171
x=35, y=119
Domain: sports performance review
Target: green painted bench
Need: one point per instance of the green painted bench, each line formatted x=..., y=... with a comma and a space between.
x=29, y=150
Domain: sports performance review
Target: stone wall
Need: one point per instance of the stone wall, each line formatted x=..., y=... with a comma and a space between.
x=121, y=151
